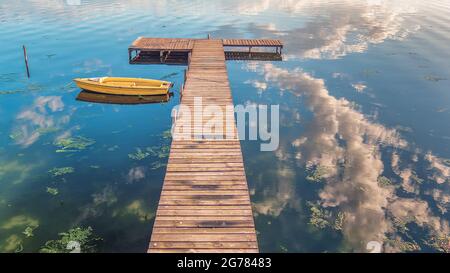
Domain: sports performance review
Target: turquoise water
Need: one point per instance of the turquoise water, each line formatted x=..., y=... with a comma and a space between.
x=364, y=121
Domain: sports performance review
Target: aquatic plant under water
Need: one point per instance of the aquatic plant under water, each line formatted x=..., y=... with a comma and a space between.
x=82, y=236
x=61, y=171
x=73, y=144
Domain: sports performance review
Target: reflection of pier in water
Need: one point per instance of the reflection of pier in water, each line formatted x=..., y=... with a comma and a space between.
x=119, y=99
x=205, y=203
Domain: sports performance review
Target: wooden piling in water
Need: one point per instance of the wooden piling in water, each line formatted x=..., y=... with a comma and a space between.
x=25, y=55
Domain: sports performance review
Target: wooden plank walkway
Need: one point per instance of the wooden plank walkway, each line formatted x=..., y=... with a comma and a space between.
x=163, y=44
x=205, y=204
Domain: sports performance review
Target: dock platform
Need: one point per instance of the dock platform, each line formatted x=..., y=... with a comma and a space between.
x=205, y=203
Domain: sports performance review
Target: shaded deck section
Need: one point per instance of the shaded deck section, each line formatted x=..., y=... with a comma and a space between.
x=205, y=204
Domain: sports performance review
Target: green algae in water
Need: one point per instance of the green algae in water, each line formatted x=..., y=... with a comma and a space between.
x=164, y=151
x=284, y=249
x=16, y=135
x=319, y=217
x=47, y=130
x=61, y=171
x=383, y=181
x=322, y=218
x=167, y=134
x=440, y=243
x=404, y=246
x=139, y=154
x=10, y=92
x=83, y=236
x=28, y=232
x=156, y=165
x=73, y=144
x=316, y=174
x=339, y=221
x=52, y=191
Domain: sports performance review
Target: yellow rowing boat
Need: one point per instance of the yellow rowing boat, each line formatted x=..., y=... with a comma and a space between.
x=124, y=86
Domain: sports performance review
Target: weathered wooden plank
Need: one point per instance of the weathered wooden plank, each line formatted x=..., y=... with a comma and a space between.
x=190, y=202
x=204, y=212
x=200, y=207
x=202, y=224
x=215, y=237
x=205, y=192
x=202, y=250
x=207, y=245
x=205, y=204
x=183, y=230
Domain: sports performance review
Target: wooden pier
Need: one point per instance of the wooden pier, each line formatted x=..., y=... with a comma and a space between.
x=205, y=203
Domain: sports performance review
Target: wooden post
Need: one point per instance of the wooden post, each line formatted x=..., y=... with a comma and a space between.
x=26, y=60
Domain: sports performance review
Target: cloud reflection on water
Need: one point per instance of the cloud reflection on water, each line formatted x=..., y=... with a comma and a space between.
x=349, y=146
x=40, y=117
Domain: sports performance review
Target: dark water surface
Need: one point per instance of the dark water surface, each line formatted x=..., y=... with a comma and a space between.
x=364, y=121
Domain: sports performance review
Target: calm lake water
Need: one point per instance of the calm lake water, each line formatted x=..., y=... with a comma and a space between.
x=364, y=101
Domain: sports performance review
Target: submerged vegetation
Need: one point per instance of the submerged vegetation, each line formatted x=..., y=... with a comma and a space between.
x=318, y=217
x=160, y=152
x=316, y=173
x=47, y=130
x=139, y=154
x=52, y=191
x=83, y=237
x=383, y=181
x=21, y=227
x=28, y=232
x=73, y=144
x=9, y=92
x=322, y=218
x=16, y=135
x=440, y=243
x=156, y=165
x=61, y=171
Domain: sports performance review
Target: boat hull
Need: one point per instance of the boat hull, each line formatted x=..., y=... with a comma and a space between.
x=125, y=88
